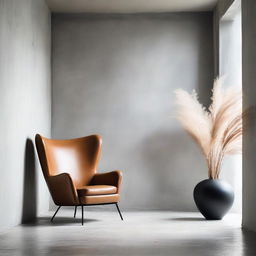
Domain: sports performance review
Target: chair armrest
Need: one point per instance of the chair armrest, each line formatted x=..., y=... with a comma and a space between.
x=62, y=189
x=113, y=178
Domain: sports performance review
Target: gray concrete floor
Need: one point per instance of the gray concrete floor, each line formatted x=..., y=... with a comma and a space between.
x=141, y=233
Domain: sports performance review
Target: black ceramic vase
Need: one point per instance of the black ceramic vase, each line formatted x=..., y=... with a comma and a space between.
x=213, y=198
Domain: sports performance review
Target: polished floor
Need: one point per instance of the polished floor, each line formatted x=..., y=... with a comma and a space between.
x=141, y=233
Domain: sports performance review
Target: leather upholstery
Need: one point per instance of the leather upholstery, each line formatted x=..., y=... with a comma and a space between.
x=112, y=198
x=62, y=189
x=96, y=190
x=113, y=178
x=69, y=168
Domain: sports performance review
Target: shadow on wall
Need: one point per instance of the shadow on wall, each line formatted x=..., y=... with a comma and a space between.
x=29, y=186
x=205, y=79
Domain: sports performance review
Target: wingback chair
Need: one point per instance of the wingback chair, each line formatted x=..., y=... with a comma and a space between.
x=70, y=171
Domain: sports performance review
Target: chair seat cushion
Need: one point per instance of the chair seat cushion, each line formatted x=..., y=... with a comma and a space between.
x=99, y=199
x=96, y=190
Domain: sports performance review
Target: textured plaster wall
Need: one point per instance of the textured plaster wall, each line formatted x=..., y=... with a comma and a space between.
x=115, y=75
x=249, y=93
x=25, y=103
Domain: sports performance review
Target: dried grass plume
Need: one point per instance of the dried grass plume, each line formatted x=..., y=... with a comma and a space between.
x=218, y=129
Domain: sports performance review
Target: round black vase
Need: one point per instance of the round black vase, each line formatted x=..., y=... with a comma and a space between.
x=213, y=198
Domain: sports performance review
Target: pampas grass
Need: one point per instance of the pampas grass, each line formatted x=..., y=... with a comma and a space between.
x=218, y=129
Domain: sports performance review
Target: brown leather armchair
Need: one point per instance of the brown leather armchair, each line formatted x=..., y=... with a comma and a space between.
x=69, y=168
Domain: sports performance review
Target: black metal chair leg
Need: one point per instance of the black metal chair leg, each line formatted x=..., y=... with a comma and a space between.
x=75, y=211
x=55, y=214
x=119, y=211
x=82, y=214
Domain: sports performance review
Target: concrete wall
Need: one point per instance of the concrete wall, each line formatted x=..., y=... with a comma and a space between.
x=25, y=103
x=115, y=75
x=249, y=94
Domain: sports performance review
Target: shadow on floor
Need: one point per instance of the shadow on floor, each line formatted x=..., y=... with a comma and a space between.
x=187, y=219
x=58, y=221
x=248, y=241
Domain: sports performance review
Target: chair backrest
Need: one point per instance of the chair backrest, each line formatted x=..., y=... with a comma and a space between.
x=78, y=157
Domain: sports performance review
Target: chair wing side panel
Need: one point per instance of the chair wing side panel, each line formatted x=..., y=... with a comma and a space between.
x=62, y=190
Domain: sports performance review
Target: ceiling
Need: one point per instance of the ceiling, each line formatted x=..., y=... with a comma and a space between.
x=130, y=6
